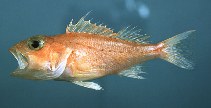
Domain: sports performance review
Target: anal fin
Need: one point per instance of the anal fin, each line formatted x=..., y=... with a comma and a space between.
x=133, y=72
x=90, y=85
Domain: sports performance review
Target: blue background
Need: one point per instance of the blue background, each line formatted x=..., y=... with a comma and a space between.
x=166, y=86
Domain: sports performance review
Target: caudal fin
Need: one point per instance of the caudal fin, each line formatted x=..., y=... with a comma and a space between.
x=172, y=53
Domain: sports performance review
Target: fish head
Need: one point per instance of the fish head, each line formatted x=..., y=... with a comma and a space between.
x=39, y=58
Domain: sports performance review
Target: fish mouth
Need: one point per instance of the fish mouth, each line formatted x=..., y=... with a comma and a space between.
x=22, y=60
x=23, y=70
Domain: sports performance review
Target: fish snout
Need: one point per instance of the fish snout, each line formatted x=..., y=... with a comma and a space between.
x=12, y=50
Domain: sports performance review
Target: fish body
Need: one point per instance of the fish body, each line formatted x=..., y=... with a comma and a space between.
x=88, y=51
x=95, y=56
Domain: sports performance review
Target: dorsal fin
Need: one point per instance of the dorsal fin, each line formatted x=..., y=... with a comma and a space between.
x=132, y=34
x=87, y=27
x=83, y=26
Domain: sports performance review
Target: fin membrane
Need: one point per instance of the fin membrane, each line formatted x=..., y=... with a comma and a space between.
x=90, y=85
x=83, y=26
x=129, y=34
x=133, y=72
x=172, y=52
x=132, y=34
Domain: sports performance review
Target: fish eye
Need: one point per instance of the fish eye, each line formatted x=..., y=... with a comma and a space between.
x=36, y=42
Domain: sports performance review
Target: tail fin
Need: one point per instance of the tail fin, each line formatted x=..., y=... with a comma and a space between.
x=172, y=53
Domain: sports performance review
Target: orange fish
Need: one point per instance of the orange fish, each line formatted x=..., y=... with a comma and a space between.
x=88, y=51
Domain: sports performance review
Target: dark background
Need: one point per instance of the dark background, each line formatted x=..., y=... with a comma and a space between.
x=166, y=86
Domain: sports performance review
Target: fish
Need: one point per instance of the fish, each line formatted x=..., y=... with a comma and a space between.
x=89, y=51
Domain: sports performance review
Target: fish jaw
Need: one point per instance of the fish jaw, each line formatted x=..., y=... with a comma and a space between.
x=24, y=73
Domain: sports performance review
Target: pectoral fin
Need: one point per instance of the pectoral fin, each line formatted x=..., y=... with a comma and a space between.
x=57, y=71
x=90, y=85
